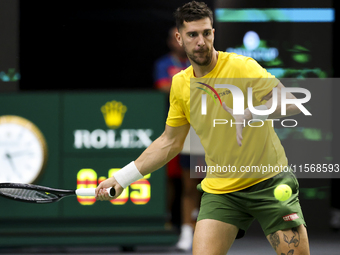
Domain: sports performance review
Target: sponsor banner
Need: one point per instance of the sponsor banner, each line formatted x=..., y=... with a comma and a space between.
x=106, y=122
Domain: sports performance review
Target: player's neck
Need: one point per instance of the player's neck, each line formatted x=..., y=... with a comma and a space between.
x=200, y=71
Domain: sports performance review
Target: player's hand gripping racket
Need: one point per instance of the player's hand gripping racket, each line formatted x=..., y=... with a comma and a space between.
x=39, y=194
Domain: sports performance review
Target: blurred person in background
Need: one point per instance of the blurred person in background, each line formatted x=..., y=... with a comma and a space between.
x=170, y=64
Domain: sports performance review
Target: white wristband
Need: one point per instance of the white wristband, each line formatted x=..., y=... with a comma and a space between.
x=127, y=175
x=258, y=118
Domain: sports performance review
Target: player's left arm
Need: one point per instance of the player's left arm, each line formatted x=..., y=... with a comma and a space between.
x=291, y=109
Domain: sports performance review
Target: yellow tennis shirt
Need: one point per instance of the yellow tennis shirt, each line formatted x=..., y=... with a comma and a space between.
x=229, y=166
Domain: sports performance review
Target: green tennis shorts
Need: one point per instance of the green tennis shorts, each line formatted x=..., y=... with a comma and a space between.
x=240, y=208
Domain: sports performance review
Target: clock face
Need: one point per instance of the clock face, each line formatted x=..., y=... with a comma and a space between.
x=22, y=150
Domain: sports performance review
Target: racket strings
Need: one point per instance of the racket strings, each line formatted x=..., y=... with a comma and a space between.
x=26, y=194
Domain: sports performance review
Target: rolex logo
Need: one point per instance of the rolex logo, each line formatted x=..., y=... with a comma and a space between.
x=113, y=113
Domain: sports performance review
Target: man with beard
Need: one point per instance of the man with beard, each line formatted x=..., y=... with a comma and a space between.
x=231, y=200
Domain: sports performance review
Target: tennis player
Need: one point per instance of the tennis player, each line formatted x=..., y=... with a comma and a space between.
x=232, y=200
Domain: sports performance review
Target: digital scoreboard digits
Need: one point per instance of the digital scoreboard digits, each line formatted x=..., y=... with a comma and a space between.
x=138, y=192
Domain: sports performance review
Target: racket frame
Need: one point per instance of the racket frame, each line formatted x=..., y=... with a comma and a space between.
x=60, y=193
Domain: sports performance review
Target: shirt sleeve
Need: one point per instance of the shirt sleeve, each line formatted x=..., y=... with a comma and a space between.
x=262, y=81
x=176, y=115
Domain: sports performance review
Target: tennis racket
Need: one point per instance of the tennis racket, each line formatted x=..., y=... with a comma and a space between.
x=38, y=194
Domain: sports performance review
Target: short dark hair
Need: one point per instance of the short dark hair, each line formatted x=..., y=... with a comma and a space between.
x=192, y=11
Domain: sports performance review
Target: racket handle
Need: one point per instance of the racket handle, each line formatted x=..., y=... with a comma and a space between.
x=92, y=191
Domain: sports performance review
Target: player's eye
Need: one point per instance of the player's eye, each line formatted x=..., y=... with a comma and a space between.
x=207, y=33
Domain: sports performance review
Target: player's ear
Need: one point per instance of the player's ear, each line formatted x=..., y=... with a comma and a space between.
x=213, y=34
x=179, y=38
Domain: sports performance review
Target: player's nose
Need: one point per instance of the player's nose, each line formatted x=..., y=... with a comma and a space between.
x=200, y=41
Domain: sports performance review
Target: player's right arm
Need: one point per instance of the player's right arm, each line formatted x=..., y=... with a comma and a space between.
x=163, y=149
x=160, y=152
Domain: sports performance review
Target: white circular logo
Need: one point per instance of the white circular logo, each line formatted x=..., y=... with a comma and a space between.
x=251, y=40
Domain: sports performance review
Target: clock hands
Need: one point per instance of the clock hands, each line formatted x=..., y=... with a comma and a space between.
x=10, y=160
x=8, y=156
x=19, y=153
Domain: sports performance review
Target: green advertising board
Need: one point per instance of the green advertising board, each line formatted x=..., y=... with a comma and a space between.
x=104, y=132
x=89, y=136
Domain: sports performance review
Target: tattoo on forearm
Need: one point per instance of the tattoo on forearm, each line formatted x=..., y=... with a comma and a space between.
x=294, y=240
x=274, y=240
x=297, y=237
x=291, y=252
